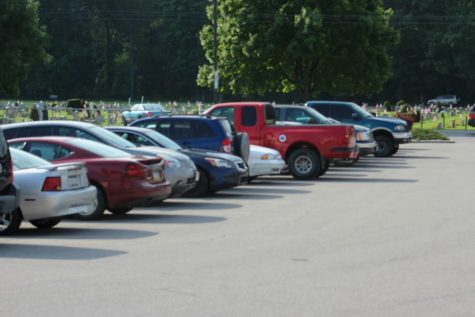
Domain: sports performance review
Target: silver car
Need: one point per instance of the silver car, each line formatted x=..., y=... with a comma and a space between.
x=48, y=192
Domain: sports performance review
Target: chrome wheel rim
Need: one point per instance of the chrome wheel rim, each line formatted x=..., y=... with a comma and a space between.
x=303, y=164
x=5, y=221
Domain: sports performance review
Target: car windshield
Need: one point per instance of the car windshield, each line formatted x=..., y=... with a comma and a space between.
x=320, y=118
x=154, y=107
x=163, y=140
x=100, y=149
x=111, y=138
x=23, y=160
x=362, y=113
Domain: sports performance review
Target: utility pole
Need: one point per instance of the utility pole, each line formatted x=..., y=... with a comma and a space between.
x=215, y=51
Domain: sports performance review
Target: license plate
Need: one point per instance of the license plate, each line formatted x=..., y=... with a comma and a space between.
x=73, y=181
x=156, y=175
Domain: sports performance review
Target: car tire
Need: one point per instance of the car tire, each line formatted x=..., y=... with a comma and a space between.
x=98, y=211
x=304, y=163
x=325, y=168
x=201, y=188
x=395, y=149
x=10, y=222
x=384, y=146
x=45, y=223
x=242, y=146
x=120, y=211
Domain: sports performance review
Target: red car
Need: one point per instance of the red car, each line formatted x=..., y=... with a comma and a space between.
x=122, y=181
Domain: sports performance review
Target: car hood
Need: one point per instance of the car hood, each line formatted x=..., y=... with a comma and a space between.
x=360, y=128
x=213, y=154
x=394, y=121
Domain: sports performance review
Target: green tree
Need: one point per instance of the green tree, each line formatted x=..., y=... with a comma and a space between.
x=22, y=42
x=329, y=46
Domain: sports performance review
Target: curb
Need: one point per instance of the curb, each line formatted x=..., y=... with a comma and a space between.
x=434, y=141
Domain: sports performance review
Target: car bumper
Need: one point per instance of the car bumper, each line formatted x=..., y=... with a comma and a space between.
x=226, y=178
x=181, y=179
x=265, y=167
x=366, y=148
x=140, y=193
x=402, y=137
x=11, y=200
x=344, y=153
x=58, y=203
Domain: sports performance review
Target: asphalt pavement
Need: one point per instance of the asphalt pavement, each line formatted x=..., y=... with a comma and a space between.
x=387, y=237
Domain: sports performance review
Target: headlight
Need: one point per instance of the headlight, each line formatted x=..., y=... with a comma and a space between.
x=219, y=163
x=269, y=156
x=400, y=128
x=362, y=136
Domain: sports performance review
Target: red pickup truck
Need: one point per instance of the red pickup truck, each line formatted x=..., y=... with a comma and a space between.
x=307, y=149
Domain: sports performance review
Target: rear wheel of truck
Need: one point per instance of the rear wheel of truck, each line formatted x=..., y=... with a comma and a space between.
x=325, y=168
x=304, y=163
x=384, y=146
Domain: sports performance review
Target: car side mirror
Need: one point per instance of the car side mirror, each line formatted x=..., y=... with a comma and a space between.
x=355, y=116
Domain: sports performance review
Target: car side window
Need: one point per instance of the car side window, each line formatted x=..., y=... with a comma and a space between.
x=249, y=116
x=163, y=126
x=182, y=130
x=323, y=109
x=18, y=145
x=226, y=112
x=202, y=130
x=136, y=139
x=44, y=150
x=75, y=133
x=297, y=115
x=62, y=152
x=342, y=112
x=41, y=131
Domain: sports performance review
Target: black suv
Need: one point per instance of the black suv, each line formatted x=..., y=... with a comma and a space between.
x=9, y=194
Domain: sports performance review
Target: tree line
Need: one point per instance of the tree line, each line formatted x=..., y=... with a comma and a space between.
x=285, y=50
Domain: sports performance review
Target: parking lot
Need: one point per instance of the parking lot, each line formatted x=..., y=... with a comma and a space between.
x=387, y=237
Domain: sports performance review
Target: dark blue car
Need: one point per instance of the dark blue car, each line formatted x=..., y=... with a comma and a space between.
x=200, y=132
x=217, y=170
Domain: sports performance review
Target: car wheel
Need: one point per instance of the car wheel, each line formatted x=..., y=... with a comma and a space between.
x=395, y=149
x=120, y=211
x=384, y=146
x=10, y=222
x=325, y=168
x=201, y=187
x=45, y=223
x=100, y=206
x=304, y=163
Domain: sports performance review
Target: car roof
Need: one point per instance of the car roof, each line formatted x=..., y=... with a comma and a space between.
x=69, y=123
x=289, y=106
x=337, y=103
x=128, y=128
x=56, y=139
x=189, y=117
x=243, y=104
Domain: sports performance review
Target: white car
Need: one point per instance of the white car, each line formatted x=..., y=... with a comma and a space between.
x=264, y=161
x=48, y=192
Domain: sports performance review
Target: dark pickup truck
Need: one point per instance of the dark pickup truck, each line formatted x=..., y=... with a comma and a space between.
x=307, y=149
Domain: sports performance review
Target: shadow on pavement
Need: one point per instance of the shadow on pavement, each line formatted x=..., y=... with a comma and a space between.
x=84, y=233
x=136, y=217
x=266, y=190
x=189, y=203
x=46, y=252
x=282, y=181
x=247, y=196
x=365, y=180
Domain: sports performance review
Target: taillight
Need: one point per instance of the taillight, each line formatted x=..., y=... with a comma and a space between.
x=472, y=116
x=136, y=170
x=52, y=184
x=149, y=114
x=227, y=145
